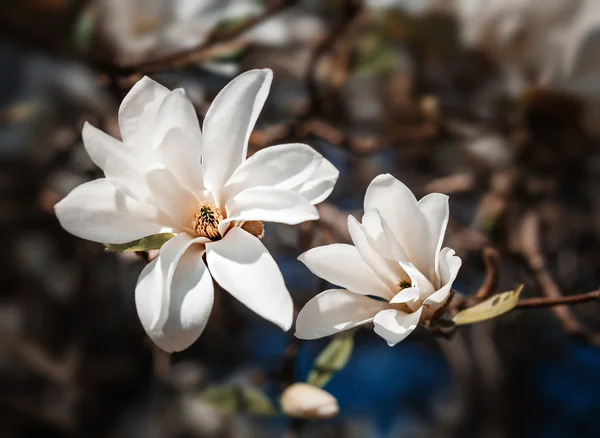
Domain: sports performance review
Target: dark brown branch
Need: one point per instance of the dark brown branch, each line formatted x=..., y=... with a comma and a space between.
x=536, y=303
x=491, y=259
x=350, y=10
x=529, y=239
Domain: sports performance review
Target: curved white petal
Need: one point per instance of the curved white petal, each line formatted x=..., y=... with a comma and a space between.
x=174, y=294
x=283, y=166
x=449, y=266
x=387, y=270
x=168, y=195
x=269, y=205
x=398, y=207
x=137, y=112
x=342, y=265
x=418, y=280
x=371, y=221
x=436, y=211
x=178, y=140
x=409, y=295
x=321, y=183
x=97, y=211
x=123, y=168
x=152, y=290
x=396, y=251
x=394, y=325
x=228, y=124
x=333, y=311
x=243, y=267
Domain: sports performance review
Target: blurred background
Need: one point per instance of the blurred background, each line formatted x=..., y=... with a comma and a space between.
x=494, y=102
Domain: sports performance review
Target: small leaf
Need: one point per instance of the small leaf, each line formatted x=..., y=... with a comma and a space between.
x=223, y=398
x=229, y=399
x=155, y=241
x=257, y=402
x=331, y=360
x=490, y=308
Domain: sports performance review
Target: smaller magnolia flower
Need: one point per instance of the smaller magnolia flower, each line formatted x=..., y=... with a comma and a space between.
x=302, y=400
x=396, y=274
x=168, y=176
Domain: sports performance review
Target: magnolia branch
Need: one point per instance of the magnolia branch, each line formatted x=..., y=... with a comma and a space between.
x=350, y=10
x=491, y=259
x=541, y=302
x=528, y=236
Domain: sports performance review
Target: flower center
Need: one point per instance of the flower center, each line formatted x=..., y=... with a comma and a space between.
x=206, y=221
x=403, y=284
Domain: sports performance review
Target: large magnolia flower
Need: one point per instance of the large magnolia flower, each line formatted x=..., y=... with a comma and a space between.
x=396, y=274
x=167, y=176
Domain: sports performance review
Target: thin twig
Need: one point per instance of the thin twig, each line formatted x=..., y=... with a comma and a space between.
x=536, y=303
x=491, y=259
x=350, y=10
x=529, y=239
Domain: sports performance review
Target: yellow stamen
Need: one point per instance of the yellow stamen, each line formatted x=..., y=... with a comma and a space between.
x=403, y=284
x=206, y=221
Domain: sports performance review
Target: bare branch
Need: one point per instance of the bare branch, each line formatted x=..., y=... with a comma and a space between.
x=536, y=303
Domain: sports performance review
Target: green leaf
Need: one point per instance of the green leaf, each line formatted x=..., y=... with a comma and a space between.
x=257, y=402
x=490, y=308
x=155, y=241
x=230, y=398
x=332, y=359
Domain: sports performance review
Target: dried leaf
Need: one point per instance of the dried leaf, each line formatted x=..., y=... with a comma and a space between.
x=155, y=241
x=490, y=308
x=332, y=359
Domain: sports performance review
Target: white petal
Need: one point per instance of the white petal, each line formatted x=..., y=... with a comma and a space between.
x=178, y=140
x=152, y=289
x=436, y=211
x=371, y=221
x=342, y=265
x=138, y=110
x=321, y=183
x=228, y=124
x=394, y=326
x=243, y=267
x=122, y=166
x=174, y=294
x=270, y=205
x=396, y=251
x=387, y=270
x=333, y=311
x=418, y=280
x=284, y=166
x=398, y=207
x=97, y=211
x=408, y=295
x=169, y=196
x=449, y=266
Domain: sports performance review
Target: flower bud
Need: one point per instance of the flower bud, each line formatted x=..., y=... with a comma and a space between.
x=302, y=400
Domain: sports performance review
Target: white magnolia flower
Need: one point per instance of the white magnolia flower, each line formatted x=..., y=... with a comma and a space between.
x=396, y=258
x=138, y=28
x=167, y=176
